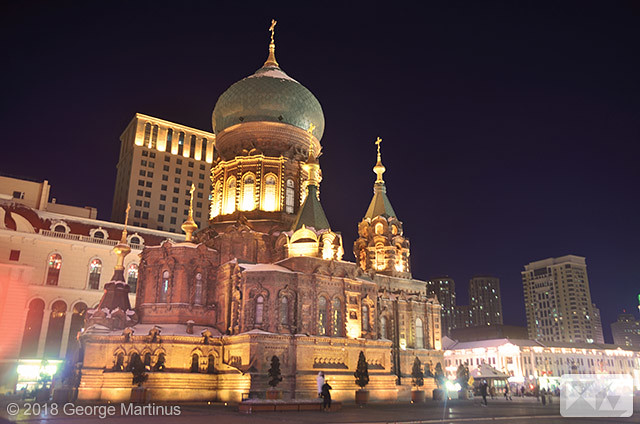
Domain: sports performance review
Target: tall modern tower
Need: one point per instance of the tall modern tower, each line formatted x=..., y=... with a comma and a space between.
x=558, y=301
x=485, y=300
x=445, y=289
x=626, y=331
x=159, y=161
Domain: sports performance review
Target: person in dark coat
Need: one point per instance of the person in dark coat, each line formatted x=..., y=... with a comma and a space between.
x=326, y=396
x=507, y=394
x=484, y=388
x=543, y=396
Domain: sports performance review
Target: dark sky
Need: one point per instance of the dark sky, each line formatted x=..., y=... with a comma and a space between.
x=511, y=131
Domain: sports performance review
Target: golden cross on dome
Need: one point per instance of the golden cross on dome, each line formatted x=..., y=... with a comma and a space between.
x=378, y=141
x=193, y=188
x=126, y=219
x=272, y=28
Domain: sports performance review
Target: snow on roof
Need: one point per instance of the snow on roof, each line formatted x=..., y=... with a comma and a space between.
x=271, y=73
x=455, y=345
x=168, y=330
x=264, y=267
x=256, y=331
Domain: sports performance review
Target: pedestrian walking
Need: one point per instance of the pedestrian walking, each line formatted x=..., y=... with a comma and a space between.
x=326, y=397
x=484, y=388
x=543, y=396
x=522, y=391
x=320, y=383
x=507, y=395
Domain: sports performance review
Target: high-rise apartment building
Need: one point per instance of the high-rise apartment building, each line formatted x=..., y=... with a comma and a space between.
x=159, y=161
x=463, y=316
x=558, y=301
x=445, y=289
x=485, y=300
x=626, y=331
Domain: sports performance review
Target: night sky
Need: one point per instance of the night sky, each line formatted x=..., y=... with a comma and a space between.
x=511, y=132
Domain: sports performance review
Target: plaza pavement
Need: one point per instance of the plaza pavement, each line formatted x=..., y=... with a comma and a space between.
x=520, y=410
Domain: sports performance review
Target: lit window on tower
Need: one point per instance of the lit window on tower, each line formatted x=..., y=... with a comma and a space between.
x=230, y=196
x=216, y=205
x=322, y=316
x=269, y=203
x=336, y=317
x=289, y=196
x=248, y=187
x=164, y=287
x=380, y=260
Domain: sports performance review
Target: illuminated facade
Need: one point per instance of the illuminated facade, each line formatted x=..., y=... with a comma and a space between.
x=266, y=276
x=558, y=301
x=159, y=161
x=531, y=361
x=52, y=269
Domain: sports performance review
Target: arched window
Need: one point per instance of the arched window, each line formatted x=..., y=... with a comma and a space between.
x=289, y=196
x=180, y=143
x=147, y=361
x=154, y=138
x=133, y=360
x=119, y=365
x=147, y=133
x=380, y=256
x=379, y=228
x=270, y=202
x=203, y=150
x=336, y=317
x=32, y=328
x=99, y=234
x=135, y=240
x=322, y=316
x=284, y=310
x=159, y=366
x=77, y=324
x=53, y=269
x=230, y=196
x=195, y=363
x=60, y=228
x=248, y=186
x=169, y=140
x=383, y=328
x=419, y=334
x=216, y=207
x=132, y=277
x=259, y=309
x=365, y=318
x=192, y=147
x=95, y=268
x=198, y=291
x=211, y=365
x=54, y=331
x=164, y=287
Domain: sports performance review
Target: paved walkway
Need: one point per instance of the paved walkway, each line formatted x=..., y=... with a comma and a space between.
x=526, y=411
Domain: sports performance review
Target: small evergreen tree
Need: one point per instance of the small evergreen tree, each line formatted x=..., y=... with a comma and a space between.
x=417, y=377
x=275, y=377
x=462, y=376
x=362, y=371
x=439, y=375
x=138, y=370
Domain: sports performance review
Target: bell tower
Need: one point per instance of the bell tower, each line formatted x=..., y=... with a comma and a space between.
x=381, y=245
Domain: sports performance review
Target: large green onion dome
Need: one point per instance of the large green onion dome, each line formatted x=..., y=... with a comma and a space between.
x=268, y=95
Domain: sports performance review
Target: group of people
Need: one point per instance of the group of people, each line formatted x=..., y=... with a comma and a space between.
x=324, y=391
